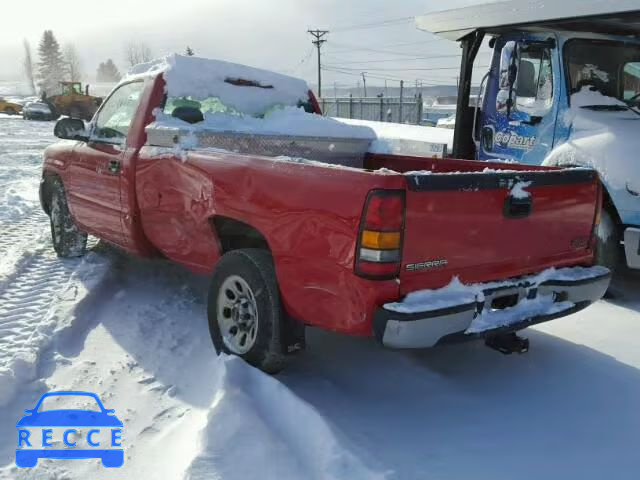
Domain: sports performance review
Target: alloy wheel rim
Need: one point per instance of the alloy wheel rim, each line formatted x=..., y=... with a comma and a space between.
x=237, y=315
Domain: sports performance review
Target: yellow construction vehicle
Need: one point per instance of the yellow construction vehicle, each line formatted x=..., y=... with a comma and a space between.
x=74, y=102
x=9, y=108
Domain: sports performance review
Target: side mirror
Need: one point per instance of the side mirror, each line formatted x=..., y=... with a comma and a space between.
x=71, y=129
x=506, y=97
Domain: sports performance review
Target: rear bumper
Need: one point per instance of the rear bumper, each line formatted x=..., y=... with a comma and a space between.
x=632, y=247
x=536, y=303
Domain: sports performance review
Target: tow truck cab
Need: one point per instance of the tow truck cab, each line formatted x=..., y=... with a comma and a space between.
x=563, y=89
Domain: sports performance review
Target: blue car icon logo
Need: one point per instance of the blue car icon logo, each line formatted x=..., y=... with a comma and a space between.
x=98, y=432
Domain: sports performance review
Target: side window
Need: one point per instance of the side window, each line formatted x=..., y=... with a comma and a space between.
x=631, y=81
x=114, y=119
x=534, y=84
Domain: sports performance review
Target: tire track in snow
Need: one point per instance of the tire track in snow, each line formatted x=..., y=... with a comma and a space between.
x=38, y=296
x=21, y=243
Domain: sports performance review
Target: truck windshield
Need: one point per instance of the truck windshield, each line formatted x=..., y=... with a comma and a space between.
x=613, y=68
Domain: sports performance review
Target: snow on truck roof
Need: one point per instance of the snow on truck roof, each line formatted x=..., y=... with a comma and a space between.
x=202, y=78
x=615, y=17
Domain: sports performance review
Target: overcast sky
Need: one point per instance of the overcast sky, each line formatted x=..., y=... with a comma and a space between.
x=264, y=33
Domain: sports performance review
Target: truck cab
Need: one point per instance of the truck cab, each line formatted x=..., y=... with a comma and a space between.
x=560, y=91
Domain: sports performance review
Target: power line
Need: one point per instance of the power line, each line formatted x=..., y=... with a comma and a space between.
x=382, y=23
x=346, y=46
x=402, y=59
x=304, y=60
x=431, y=57
x=426, y=82
x=318, y=35
x=421, y=42
x=405, y=69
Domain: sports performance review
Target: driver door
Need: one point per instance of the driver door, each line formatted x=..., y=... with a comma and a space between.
x=520, y=110
x=96, y=169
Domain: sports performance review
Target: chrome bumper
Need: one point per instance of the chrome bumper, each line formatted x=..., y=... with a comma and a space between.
x=452, y=324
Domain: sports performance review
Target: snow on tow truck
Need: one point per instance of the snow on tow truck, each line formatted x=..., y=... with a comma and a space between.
x=230, y=171
x=563, y=89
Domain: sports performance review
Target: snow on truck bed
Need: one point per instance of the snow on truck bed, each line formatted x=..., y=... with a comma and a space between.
x=252, y=101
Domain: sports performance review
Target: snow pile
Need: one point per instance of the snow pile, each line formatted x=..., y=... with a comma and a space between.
x=518, y=191
x=287, y=120
x=397, y=138
x=453, y=294
x=526, y=308
x=602, y=139
x=34, y=312
x=258, y=428
x=202, y=78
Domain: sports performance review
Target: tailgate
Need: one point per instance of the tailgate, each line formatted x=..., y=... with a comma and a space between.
x=494, y=225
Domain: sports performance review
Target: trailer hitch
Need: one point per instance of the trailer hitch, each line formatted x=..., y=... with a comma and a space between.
x=507, y=343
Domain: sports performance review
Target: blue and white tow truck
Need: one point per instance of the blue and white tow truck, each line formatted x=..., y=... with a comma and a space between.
x=563, y=89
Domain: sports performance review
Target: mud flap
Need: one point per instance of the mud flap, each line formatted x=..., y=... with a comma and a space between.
x=293, y=337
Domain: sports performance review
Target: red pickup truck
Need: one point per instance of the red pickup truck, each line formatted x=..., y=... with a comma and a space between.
x=413, y=251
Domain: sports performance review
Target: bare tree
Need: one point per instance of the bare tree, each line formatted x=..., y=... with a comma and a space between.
x=137, y=52
x=72, y=62
x=27, y=65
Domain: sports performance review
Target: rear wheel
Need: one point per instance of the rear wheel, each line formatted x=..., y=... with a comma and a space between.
x=608, y=249
x=68, y=241
x=244, y=309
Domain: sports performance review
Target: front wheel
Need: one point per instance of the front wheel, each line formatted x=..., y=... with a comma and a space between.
x=68, y=241
x=244, y=309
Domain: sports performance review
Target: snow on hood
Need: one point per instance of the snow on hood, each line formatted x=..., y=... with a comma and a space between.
x=602, y=139
x=202, y=78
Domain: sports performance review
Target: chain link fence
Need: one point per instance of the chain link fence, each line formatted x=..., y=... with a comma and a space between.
x=379, y=109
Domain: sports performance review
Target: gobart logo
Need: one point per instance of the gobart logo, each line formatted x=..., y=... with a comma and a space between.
x=48, y=431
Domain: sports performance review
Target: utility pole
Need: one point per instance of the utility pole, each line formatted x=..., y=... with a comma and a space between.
x=400, y=120
x=318, y=34
x=364, y=82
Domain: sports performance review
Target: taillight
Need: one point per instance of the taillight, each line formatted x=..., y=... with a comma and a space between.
x=379, y=249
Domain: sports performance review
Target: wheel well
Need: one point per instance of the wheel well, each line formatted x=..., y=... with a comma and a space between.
x=234, y=234
x=609, y=206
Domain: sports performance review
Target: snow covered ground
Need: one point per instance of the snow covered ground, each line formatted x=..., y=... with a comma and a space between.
x=134, y=332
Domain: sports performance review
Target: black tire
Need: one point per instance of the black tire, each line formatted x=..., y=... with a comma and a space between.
x=608, y=249
x=255, y=268
x=68, y=241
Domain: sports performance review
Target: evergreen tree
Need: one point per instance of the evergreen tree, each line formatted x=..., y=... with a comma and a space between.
x=108, y=72
x=189, y=51
x=51, y=68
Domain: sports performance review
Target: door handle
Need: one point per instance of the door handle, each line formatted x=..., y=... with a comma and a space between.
x=114, y=166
